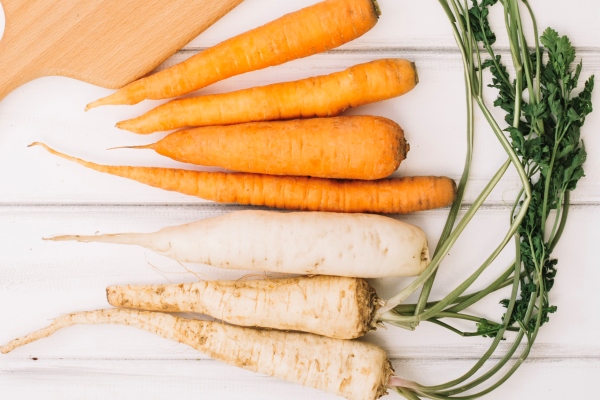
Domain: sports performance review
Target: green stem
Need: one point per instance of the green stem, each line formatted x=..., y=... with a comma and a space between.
x=507, y=357
x=460, y=192
x=496, y=285
x=407, y=393
x=563, y=221
x=446, y=246
x=538, y=63
x=547, y=180
x=513, y=158
x=558, y=218
x=499, y=335
x=445, y=325
x=526, y=59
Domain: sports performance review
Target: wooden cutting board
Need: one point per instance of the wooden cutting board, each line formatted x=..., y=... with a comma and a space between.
x=107, y=43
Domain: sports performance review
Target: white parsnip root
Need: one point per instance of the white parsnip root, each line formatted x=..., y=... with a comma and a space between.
x=353, y=369
x=307, y=243
x=337, y=307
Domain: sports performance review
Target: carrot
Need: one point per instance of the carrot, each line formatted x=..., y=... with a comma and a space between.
x=331, y=306
x=353, y=369
x=311, y=30
x=354, y=147
x=396, y=195
x=307, y=243
x=321, y=96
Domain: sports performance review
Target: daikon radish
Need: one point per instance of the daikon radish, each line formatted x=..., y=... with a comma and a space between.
x=307, y=243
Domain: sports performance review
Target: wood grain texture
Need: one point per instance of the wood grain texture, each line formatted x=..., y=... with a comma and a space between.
x=104, y=42
x=190, y=378
x=410, y=24
x=42, y=196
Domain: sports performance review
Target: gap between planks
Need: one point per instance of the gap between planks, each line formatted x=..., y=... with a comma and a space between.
x=585, y=50
x=235, y=207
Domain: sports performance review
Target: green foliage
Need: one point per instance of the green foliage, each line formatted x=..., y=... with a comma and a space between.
x=487, y=328
x=543, y=142
x=554, y=157
x=480, y=26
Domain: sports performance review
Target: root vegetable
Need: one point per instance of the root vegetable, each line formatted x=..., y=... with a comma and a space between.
x=320, y=96
x=308, y=31
x=353, y=369
x=386, y=196
x=354, y=147
x=307, y=243
x=331, y=306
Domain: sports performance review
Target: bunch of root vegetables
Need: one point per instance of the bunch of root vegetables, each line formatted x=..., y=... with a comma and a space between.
x=290, y=150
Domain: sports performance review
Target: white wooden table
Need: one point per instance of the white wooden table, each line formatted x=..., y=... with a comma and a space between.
x=41, y=196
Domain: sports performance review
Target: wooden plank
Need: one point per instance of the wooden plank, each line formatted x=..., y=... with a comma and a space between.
x=40, y=280
x=104, y=42
x=408, y=23
x=433, y=116
x=412, y=24
x=46, y=279
x=159, y=379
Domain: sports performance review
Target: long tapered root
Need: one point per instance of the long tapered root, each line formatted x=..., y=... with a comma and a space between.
x=385, y=196
x=110, y=238
x=353, y=369
x=158, y=325
x=62, y=155
x=335, y=244
x=141, y=147
x=331, y=306
x=319, y=96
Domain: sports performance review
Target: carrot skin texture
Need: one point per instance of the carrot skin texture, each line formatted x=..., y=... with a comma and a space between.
x=320, y=96
x=353, y=369
x=331, y=306
x=386, y=196
x=353, y=147
x=308, y=31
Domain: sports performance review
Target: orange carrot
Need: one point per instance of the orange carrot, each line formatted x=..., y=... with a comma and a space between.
x=353, y=147
x=396, y=195
x=321, y=96
x=311, y=30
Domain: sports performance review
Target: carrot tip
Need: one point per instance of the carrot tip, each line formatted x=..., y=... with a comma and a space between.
x=144, y=146
x=100, y=102
x=38, y=144
x=120, y=97
x=126, y=126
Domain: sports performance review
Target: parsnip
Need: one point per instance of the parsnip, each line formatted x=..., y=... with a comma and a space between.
x=331, y=306
x=353, y=369
x=307, y=243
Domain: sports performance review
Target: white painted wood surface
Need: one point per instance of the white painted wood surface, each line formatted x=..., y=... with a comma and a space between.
x=42, y=196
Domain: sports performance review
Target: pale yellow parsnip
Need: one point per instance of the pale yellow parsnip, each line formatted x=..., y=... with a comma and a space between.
x=331, y=306
x=349, y=368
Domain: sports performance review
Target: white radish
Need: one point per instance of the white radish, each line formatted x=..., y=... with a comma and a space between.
x=307, y=243
x=349, y=368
